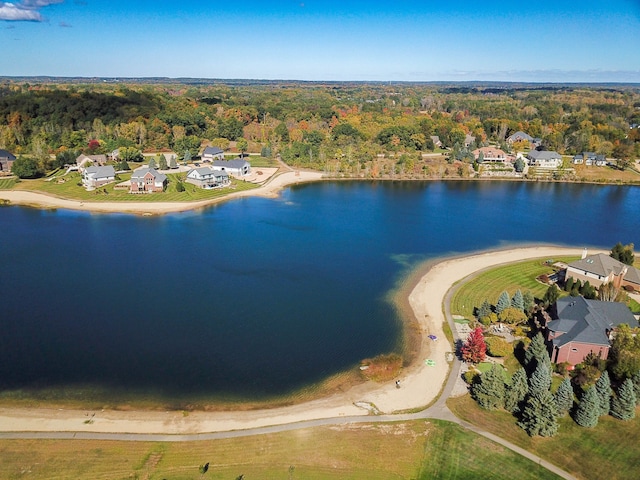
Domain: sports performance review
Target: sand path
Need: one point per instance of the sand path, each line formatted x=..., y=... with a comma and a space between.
x=420, y=383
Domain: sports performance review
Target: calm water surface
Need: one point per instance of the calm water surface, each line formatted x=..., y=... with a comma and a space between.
x=256, y=297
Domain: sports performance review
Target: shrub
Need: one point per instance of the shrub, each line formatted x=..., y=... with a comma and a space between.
x=498, y=347
x=470, y=376
x=180, y=187
x=512, y=316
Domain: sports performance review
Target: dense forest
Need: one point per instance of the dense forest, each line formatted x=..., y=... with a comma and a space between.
x=339, y=126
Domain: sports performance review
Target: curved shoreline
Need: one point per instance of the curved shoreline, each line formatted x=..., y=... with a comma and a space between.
x=420, y=384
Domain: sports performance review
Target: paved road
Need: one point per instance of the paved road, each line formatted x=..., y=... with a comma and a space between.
x=438, y=410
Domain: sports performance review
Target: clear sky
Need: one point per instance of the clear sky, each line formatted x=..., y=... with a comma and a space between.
x=406, y=40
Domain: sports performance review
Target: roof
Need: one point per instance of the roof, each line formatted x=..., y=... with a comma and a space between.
x=140, y=173
x=544, y=155
x=522, y=135
x=587, y=321
x=101, y=172
x=235, y=163
x=602, y=264
x=212, y=151
x=208, y=171
x=7, y=154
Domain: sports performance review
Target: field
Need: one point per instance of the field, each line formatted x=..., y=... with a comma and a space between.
x=491, y=283
x=425, y=449
x=609, y=450
x=605, y=174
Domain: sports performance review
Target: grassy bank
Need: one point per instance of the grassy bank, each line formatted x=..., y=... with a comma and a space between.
x=404, y=450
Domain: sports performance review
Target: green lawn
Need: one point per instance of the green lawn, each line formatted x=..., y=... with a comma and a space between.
x=404, y=450
x=70, y=189
x=611, y=450
x=491, y=283
x=7, y=183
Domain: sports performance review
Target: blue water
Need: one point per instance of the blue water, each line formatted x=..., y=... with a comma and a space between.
x=256, y=297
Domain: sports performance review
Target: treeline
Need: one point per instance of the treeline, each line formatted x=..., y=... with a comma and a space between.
x=341, y=126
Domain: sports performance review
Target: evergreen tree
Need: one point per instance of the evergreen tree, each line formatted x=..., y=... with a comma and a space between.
x=564, y=397
x=603, y=389
x=518, y=301
x=551, y=295
x=172, y=162
x=539, y=415
x=540, y=379
x=489, y=391
x=588, y=410
x=503, y=302
x=537, y=351
x=484, y=310
x=516, y=391
x=162, y=163
x=623, y=406
x=623, y=253
x=568, y=285
x=152, y=163
x=529, y=301
x=474, y=349
x=636, y=386
x=187, y=157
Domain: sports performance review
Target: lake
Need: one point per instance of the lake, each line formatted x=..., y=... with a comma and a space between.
x=255, y=297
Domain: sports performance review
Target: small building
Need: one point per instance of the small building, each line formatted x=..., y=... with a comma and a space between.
x=6, y=161
x=581, y=327
x=600, y=268
x=206, y=177
x=95, y=160
x=578, y=159
x=490, y=154
x=519, y=136
x=469, y=139
x=544, y=159
x=211, y=154
x=95, y=177
x=147, y=180
x=436, y=141
x=238, y=167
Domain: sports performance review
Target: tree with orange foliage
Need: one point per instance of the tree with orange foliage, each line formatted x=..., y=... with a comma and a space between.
x=474, y=349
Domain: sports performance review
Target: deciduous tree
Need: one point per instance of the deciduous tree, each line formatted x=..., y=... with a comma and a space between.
x=474, y=349
x=623, y=253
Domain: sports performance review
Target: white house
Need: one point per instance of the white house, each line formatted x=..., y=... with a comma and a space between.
x=94, y=177
x=205, y=177
x=212, y=153
x=545, y=159
x=238, y=167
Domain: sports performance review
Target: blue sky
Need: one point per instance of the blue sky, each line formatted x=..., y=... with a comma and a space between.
x=405, y=40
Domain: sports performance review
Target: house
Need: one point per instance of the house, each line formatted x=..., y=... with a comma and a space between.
x=6, y=160
x=212, y=153
x=238, y=167
x=436, y=141
x=96, y=160
x=545, y=159
x=583, y=326
x=591, y=158
x=205, y=177
x=578, y=159
x=601, y=268
x=469, y=139
x=519, y=137
x=490, y=154
x=95, y=177
x=147, y=180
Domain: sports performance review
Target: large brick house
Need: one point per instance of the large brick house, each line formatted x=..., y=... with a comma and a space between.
x=6, y=161
x=581, y=326
x=147, y=180
x=601, y=268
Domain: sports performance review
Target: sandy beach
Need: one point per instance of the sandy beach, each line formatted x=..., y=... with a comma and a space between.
x=420, y=383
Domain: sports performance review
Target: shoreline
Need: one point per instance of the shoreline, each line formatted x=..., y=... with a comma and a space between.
x=425, y=289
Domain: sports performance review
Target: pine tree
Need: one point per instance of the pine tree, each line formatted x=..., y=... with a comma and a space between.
x=568, y=285
x=162, y=163
x=516, y=391
x=503, y=302
x=537, y=351
x=484, y=310
x=540, y=379
x=518, y=301
x=489, y=391
x=172, y=162
x=564, y=397
x=529, y=301
x=539, y=415
x=588, y=410
x=603, y=389
x=152, y=163
x=636, y=386
x=551, y=295
x=623, y=406
x=474, y=349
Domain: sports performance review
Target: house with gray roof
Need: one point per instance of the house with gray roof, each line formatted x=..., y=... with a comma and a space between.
x=147, y=180
x=544, y=159
x=238, y=167
x=600, y=268
x=583, y=326
x=95, y=177
x=212, y=153
x=518, y=137
x=206, y=177
x=97, y=160
x=6, y=160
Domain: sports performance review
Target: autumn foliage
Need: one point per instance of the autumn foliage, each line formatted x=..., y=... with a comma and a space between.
x=474, y=349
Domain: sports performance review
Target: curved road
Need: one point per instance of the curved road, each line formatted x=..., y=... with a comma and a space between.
x=438, y=410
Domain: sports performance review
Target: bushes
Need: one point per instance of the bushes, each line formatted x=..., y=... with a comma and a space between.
x=498, y=347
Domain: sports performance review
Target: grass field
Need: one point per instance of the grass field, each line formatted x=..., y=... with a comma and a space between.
x=7, y=183
x=491, y=283
x=611, y=450
x=605, y=174
x=404, y=450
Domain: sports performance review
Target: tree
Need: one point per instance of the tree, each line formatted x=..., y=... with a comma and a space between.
x=130, y=154
x=636, y=386
x=489, y=390
x=484, y=309
x=187, y=157
x=564, y=397
x=152, y=163
x=512, y=316
x=623, y=405
x=518, y=301
x=587, y=413
x=540, y=379
x=624, y=357
x=551, y=295
x=242, y=145
x=516, y=391
x=623, y=253
x=603, y=389
x=282, y=132
x=172, y=162
x=503, y=302
x=25, y=167
x=539, y=415
x=163, y=162
x=474, y=349
x=519, y=165
x=537, y=351
x=528, y=301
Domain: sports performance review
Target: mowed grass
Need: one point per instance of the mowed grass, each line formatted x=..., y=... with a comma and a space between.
x=70, y=189
x=491, y=283
x=405, y=450
x=7, y=183
x=605, y=174
x=611, y=450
